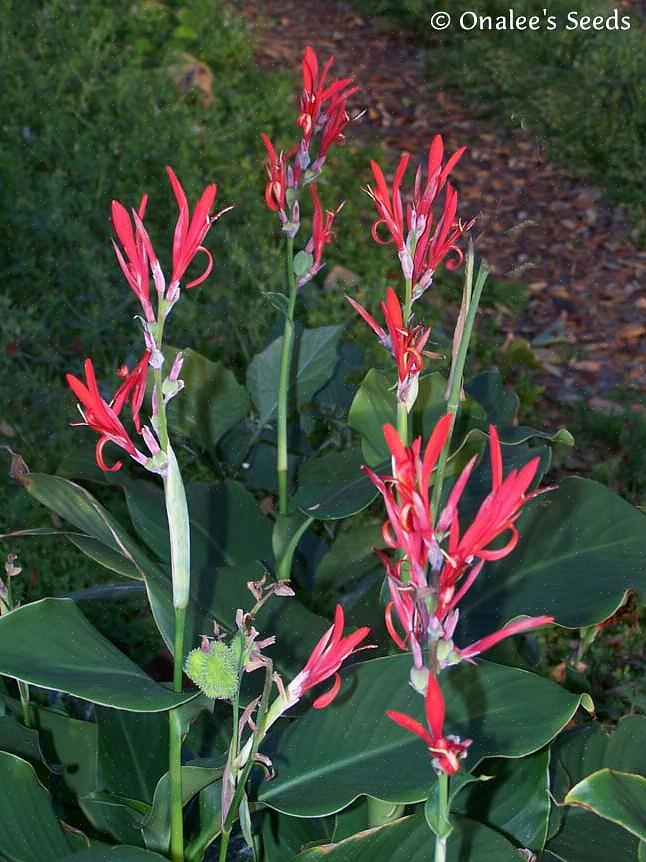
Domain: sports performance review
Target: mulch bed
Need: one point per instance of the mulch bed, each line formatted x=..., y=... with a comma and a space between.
x=586, y=317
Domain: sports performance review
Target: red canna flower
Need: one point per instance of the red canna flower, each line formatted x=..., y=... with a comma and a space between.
x=322, y=235
x=327, y=657
x=133, y=254
x=422, y=244
x=315, y=95
x=446, y=751
x=103, y=417
x=497, y=515
x=406, y=345
x=427, y=584
x=389, y=205
x=276, y=188
x=190, y=232
x=133, y=388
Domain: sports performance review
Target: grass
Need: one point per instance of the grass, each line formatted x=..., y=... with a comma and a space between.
x=97, y=100
x=577, y=91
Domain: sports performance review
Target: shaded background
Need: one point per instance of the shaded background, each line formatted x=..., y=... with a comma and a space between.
x=99, y=95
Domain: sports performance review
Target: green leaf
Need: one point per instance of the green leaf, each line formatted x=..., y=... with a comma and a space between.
x=279, y=301
x=156, y=825
x=350, y=558
x=17, y=739
x=227, y=527
x=284, y=837
x=577, y=835
x=333, y=486
x=581, y=548
x=211, y=402
x=29, y=829
x=116, y=854
x=314, y=360
x=132, y=752
x=436, y=820
x=410, y=840
x=375, y=404
x=514, y=801
x=302, y=262
x=104, y=539
x=51, y=645
x=584, y=837
x=332, y=756
x=616, y=796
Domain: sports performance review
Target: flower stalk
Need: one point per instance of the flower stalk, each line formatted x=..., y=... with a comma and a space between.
x=464, y=329
x=443, y=816
x=283, y=383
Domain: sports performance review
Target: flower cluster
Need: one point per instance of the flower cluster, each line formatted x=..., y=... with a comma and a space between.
x=422, y=242
x=322, y=120
x=138, y=262
x=437, y=561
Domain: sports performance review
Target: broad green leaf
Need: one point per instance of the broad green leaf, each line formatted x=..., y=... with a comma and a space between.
x=284, y=837
x=514, y=801
x=50, y=644
x=584, y=837
x=616, y=796
x=210, y=810
x=211, y=402
x=314, y=359
x=435, y=817
x=410, y=840
x=116, y=854
x=332, y=756
x=156, y=825
x=22, y=741
x=29, y=829
x=577, y=835
x=374, y=405
x=227, y=527
x=350, y=558
x=132, y=752
x=216, y=593
x=581, y=548
x=334, y=486
x=78, y=506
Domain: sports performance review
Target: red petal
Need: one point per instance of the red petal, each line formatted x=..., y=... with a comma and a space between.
x=327, y=698
x=435, y=709
x=410, y=724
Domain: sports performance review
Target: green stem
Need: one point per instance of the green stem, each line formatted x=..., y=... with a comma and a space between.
x=402, y=413
x=440, y=843
x=23, y=688
x=175, y=786
x=471, y=300
x=177, y=519
x=283, y=383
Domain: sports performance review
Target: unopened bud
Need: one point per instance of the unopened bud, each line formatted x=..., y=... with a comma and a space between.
x=419, y=679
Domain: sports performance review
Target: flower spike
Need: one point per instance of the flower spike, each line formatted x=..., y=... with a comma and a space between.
x=447, y=751
x=327, y=657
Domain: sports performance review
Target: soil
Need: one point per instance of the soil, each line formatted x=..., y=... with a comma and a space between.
x=586, y=315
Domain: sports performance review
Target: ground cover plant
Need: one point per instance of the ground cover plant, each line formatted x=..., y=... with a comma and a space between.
x=402, y=530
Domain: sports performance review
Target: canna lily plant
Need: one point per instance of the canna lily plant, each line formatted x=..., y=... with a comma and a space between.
x=322, y=609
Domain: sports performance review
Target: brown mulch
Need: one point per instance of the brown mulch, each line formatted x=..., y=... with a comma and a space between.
x=586, y=317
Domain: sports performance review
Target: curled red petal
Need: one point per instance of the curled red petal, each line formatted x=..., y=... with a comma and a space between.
x=207, y=271
x=326, y=699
